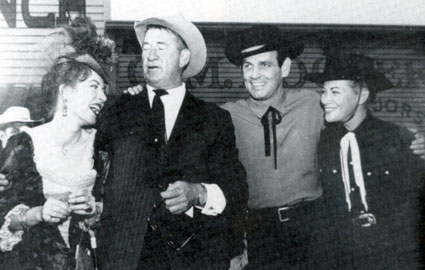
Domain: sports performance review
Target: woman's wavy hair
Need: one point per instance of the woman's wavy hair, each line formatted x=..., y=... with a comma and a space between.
x=65, y=71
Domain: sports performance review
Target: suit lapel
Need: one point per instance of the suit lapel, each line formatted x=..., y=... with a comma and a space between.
x=136, y=113
x=187, y=120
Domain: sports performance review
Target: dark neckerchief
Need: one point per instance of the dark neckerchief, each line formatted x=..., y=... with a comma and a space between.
x=272, y=115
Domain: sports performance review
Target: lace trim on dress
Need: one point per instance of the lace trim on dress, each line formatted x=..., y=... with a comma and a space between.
x=9, y=239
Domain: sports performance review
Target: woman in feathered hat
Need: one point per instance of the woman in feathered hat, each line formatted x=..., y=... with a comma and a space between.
x=48, y=207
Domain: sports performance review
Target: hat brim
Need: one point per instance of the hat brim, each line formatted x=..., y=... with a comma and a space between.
x=89, y=61
x=376, y=81
x=3, y=122
x=188, y=32
x=235, y=45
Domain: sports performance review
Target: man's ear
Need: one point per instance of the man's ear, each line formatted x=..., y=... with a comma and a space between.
x=286, y=67
x=364, y=95
x=184, y=58
x=3, y=138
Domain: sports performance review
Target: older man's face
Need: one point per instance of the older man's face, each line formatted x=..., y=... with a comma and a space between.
x=262, y=76
x=161, y=59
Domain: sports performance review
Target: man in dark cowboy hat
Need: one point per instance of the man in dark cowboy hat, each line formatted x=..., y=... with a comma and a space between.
x=277, y=131
x=175, y=183
x=371, y=180
x=277, y=134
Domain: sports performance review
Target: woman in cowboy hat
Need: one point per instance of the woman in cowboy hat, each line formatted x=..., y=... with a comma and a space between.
x=371, y=180
x=46, y=210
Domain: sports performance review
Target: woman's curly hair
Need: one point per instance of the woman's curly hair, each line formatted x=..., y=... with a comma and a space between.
x=65, y=71
x=76, y=39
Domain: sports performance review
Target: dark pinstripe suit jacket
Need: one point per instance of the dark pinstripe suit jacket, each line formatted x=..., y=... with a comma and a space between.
x=201, y=148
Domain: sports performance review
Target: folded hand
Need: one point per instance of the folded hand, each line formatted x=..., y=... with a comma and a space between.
x=54, y=211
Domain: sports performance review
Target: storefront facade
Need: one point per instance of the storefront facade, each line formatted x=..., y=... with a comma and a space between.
x=398, y=51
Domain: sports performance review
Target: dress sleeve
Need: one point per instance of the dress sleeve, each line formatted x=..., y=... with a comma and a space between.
x=9, y=239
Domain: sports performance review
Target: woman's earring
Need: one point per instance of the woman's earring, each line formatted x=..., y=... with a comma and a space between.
x=64, y=108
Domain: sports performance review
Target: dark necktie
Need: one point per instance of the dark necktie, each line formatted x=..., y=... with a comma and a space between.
x=158, y=118
x=269, y=120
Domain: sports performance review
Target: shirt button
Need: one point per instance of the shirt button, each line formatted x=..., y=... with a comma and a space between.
x=352, y=189
x=320, y=170
x=387, y=172
x=334, y=171
x=131, y=132
x=156, y=139
x=368, y=173
x=351, y=163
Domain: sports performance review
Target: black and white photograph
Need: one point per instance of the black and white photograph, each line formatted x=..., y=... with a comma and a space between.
x=212, y=134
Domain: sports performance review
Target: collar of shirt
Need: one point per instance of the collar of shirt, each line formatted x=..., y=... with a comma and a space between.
x=365, y=126
x=172, y=103
x=260, y=108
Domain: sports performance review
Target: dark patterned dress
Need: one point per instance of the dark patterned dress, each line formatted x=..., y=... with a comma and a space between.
x=44, y=245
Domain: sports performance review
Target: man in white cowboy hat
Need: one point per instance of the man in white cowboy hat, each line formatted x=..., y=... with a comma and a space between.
x=12, y=121
x=176, y=187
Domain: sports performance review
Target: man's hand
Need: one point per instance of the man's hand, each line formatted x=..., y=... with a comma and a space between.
x=418, y=145
x=4, y=183
x=134, y=90
x=180, y=196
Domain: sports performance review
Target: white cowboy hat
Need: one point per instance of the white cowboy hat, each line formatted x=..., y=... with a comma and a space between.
x=187, y=31
x=16, y=114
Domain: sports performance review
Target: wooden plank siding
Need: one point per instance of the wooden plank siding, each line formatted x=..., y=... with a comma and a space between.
x=19, y=50
x=398, y=52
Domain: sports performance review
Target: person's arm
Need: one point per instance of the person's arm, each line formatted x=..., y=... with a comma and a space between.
x=226, y=181
x=26, y=219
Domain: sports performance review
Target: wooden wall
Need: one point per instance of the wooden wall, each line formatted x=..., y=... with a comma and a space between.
x=23, y=25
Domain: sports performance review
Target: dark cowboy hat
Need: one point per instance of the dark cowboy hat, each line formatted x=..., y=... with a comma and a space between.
x=355, y=67
x=267, y=35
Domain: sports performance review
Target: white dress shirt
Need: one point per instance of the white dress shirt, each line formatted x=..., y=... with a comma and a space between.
x=216, y=202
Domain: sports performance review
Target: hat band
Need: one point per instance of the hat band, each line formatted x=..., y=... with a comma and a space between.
x=266, y=48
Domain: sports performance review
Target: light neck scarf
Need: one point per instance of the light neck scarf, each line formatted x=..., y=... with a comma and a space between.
x=349, y=142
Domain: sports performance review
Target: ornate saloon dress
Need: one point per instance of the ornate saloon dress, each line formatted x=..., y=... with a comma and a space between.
x=60, y=171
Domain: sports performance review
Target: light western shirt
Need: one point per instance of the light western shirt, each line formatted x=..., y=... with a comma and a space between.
x=298, y=133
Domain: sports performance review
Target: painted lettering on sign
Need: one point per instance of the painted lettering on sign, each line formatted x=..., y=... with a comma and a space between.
x=8, y=10
x=402, y=73
x=395, y=107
